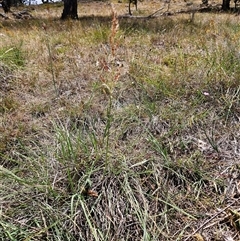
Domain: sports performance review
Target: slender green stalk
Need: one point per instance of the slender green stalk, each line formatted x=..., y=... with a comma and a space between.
x=51, y=65
x=106, y=135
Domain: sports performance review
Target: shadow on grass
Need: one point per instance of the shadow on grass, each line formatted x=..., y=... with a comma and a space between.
x=147, y=25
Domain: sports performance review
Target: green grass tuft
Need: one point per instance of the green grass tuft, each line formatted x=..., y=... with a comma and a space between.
x=12, y=56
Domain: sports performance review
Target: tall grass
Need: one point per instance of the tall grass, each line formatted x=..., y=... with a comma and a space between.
x=121, y=129
x=12, y=56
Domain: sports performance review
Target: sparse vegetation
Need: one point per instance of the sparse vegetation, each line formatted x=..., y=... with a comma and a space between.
x=119, y=129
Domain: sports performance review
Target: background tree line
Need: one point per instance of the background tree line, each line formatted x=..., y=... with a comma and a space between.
x=70, y=6
x=6, y=4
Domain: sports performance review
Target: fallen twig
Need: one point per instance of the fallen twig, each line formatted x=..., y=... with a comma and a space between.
x=152, y=14
x=209, y=220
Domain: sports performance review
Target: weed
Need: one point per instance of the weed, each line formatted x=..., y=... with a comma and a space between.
x=12, y=56
x=8, y=104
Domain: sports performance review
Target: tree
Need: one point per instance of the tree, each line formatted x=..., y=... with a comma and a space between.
x=70, y=9
x=226, y=5
x=6, y=4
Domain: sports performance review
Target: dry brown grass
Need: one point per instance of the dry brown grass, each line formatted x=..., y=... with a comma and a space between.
x=119, y=133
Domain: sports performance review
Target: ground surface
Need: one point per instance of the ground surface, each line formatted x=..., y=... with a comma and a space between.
x=120, y=129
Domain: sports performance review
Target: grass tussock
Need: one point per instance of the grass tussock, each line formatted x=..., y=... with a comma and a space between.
x=119, y=129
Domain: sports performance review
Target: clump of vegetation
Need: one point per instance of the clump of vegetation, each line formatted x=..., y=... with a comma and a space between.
x=120, y=129
x=12, y=56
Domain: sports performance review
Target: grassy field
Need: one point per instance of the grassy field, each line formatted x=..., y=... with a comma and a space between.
x=120, y=128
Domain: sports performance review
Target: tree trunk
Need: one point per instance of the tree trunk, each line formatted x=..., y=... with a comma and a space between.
x=70, y=9
x=226, y=5
x=6, y=4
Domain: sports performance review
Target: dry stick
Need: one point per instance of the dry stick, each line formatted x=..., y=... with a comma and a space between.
x=209, y=220
x=152, y=14
x=160, y=10
x=143, y=17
